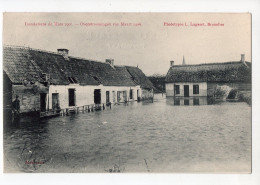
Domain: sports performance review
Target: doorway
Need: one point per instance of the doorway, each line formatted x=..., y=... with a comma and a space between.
x=43, y=97
x=131, y=95
x=114, y=96
x=55, y=101
x=125, y=95
x=97, y=96
x=118, y=96
x=107, y=97
x=186, y=91
x=72, y=97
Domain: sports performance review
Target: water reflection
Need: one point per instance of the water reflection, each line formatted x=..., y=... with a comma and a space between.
x=188, y=101
x=170, y=139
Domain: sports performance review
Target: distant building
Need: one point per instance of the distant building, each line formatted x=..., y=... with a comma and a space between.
x=48, y=81
x=201, y=79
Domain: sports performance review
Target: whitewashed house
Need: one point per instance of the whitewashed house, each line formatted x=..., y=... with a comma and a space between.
x=199, y=80
x=51, y=81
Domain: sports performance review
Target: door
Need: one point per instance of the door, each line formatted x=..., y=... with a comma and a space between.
x=125, y=95
x=55, y=101
x=43, y=97
x=72, y=97
x=118, y=96
x=186, y=91
x=97, y=96
x=131, y=94
x=107, y=97
x=114, y=96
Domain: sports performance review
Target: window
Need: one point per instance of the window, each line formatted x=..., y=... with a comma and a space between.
x=45, y=77
x=177, y=89
x=72, y=80
x=97, y=79
x=196, y=89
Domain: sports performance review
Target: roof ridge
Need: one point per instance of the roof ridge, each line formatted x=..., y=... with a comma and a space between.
x=91, y=60
x=51, y=52
x=29, y=48
x=215, y=63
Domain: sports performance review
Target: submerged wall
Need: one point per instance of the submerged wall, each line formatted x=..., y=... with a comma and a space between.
x=29, y=96
x=170, y=89
x=84, y=95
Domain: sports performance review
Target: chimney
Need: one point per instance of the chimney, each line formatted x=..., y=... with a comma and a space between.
x=172, y=63
x=242, y=58
x=110, y=62
x=183, y=61
x=64, y=52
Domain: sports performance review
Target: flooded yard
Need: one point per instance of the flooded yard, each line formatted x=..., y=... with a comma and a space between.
x=162, y=136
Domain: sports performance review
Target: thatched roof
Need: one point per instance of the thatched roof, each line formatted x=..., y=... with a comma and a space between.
x=26, y=64
x=139, y=77
x=211, y=72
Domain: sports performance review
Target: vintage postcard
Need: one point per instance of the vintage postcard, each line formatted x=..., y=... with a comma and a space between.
x=127, y=92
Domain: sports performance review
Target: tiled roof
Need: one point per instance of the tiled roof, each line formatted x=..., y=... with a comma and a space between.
x=214, y=72
x=22, y=64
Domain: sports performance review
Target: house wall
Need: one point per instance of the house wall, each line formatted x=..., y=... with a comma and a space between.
x=29, y=96
x=120, y=88
x=7, y=98
x=85, y=94
x=7, y=90
x=170, y=89
x=178, y=101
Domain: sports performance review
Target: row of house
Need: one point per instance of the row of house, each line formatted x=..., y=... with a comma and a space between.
x=54, y=80
x=201, y=79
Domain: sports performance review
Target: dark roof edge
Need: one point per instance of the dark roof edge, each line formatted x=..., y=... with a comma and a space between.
x=215, y=63
x=50, y=52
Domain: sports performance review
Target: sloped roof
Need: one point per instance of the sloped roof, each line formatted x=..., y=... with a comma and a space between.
x=19, y=66
x=211, y=72
x=22, y=64
x=106, y=74
x=139, y=77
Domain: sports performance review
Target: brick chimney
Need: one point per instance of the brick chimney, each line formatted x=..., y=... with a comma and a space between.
x=64, y=52
x=110, y=62
x=172, y=63
x=242, y=58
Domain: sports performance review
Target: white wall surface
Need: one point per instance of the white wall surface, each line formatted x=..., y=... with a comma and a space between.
x=85, y=94
x=202, y=89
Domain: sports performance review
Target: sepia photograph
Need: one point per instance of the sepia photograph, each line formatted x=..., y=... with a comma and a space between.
x=127, y=92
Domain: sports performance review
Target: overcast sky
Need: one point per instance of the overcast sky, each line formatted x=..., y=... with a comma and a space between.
x=151, y=46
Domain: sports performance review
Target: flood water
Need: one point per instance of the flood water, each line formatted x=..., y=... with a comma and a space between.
x=163, y=136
